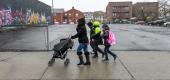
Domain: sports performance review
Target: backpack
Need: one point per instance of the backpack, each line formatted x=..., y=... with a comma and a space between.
x=111, y=38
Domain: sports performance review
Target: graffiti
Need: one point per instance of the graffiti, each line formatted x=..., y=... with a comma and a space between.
x=5, y=17
x=0, y=20
x=18, y=12
x=18, y=17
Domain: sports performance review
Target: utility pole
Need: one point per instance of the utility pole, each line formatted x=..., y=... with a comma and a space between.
x=52, y=8
x=47, y=28
x=48, y=45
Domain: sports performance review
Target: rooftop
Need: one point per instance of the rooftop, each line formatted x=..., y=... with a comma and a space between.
x=128, y=3
x=61, y=10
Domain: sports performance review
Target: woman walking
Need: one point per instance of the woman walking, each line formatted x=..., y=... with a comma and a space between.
x=83, y=42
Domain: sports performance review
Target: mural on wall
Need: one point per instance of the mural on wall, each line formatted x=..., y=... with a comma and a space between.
x=0, y=19
x=35, y=18
x=5, y=17
x=17, y=17
x=21, y=12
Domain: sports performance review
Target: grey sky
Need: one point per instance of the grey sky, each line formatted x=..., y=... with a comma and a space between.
x=86, y=5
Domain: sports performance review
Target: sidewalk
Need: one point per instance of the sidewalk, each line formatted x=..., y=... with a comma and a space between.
x=130, y=65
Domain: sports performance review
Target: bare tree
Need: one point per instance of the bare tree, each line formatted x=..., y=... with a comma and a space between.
x=145, y=14
x=164, y=7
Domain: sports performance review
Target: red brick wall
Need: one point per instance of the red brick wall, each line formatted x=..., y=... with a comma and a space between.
x=109, y=11
x=58, y=17
x=72, y=15
x=119, y=10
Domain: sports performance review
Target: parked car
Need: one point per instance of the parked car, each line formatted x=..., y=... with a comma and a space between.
x=140, y=22
x=151, y=23
x=71, y=22
x=124, y=21
x=157, y=22
x=167, y=24
x=56, y=22
x=64, y=22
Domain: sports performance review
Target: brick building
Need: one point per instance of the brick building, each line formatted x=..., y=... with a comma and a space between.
x=58, y=15
x=70, y=17
x=144, y=10
x=118, y=10
x=96, y=15
x=89, y=16
x=100, y=16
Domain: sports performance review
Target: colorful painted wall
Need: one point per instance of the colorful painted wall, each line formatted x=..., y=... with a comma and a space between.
x=33, y=13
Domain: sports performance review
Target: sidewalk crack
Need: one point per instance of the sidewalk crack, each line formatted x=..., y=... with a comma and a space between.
x=133, y=78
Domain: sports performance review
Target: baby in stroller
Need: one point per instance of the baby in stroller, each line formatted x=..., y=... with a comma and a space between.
x=61, y=49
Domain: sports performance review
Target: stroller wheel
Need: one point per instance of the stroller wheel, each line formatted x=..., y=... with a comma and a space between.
x=51, y=62
x=67, y=61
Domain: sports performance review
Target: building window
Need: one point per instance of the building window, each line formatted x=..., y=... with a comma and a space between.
x=69, y=14
x=126, y=8
x=114, y=14
x=126, y=14
x=114, y=8
x=77, y=14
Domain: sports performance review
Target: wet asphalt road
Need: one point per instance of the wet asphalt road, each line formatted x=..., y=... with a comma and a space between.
x=132, y=63
x=129, y=37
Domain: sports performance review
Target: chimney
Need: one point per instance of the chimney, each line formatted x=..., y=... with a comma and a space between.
x=73, y=7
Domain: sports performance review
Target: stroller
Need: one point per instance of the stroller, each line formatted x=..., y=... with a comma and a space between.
x=60, y=51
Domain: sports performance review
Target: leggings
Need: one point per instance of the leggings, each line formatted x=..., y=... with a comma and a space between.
x=107, y=50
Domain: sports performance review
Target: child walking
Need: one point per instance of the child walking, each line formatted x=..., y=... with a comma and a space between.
x=109, y=40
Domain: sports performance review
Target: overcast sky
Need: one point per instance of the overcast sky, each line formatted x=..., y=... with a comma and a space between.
x=86, y=5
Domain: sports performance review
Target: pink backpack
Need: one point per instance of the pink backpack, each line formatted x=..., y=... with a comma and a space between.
x=112, y=38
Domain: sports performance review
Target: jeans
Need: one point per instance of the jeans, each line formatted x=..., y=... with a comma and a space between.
x=82, y=46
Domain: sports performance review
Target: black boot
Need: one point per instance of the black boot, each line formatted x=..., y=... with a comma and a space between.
x=115, y=56
x=81, y=60
x=95, y=54
x=87, y=59
x=106, y=57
